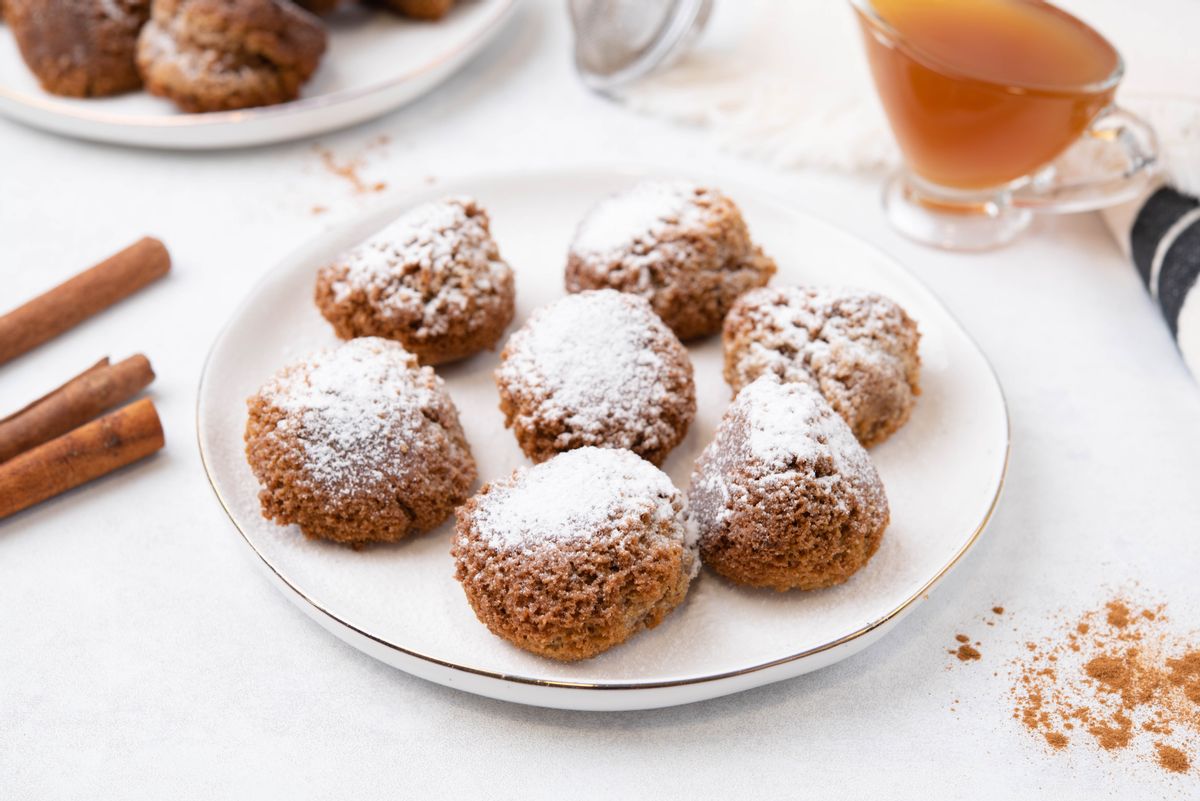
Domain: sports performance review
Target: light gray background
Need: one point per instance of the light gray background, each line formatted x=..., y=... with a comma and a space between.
x=142, y=654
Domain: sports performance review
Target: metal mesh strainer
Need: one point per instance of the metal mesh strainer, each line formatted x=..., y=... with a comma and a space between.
x=619, y=41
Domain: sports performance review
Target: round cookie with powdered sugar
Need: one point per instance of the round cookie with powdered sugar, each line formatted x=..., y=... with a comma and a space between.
x=79, y=48
x=432, y=280
x=358, y=444
x=596, y=368
x=784, y=496
x=575, y=555
x=684, y=248
x=859, y=349
x=222, y=55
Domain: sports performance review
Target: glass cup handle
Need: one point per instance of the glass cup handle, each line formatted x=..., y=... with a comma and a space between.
x=1114, y=161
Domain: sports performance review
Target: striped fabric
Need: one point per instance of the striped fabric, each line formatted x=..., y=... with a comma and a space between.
x=1162, y=235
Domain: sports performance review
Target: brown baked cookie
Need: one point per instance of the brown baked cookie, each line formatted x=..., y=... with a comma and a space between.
x=220, y=55
x=430, y=10
x=784, y=496
x=319, y=7
x=80, y=48
x=596, y=368
x=358, y=444
x=433, y=280
x=684, y=248
x=858, y=348
x=575, y=555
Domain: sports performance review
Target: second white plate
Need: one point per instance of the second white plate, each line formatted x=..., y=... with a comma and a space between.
x=943, y=472
x=376, y=63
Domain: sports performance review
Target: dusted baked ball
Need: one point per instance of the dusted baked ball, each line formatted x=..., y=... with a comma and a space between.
x=597, y=368
x=358, y=444
x=784, y=496
x=79, y=48
x=433, y=280
x=429, y=10
x=858, y=348
x=220, y=55
x=575, y=555
x=684, y=248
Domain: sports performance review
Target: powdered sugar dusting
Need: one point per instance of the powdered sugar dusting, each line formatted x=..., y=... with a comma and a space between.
x=575, y=496
x=638, y=216
x=594, y=361
x=801, y=330
x=792, y=424
x=432, y=258
x=357, y=409
x=858, y=348
x=165, y=41
x=773, y=434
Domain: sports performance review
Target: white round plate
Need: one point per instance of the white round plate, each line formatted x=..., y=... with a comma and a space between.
x=376, y=63
x=401, y=604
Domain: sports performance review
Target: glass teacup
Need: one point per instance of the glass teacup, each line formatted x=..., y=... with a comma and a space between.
x=1000, y=108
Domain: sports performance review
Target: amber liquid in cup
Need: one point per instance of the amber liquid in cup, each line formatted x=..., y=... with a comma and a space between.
x=980, y=93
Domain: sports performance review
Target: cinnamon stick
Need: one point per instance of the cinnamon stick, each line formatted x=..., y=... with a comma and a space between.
x=96, y=390
x=78, y=298
x=119, y=438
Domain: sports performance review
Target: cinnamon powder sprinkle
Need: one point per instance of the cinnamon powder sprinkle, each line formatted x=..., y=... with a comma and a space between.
x=1057, y=740
x=1118, y=614
x=349, y=171
x=1172, y=759
x=966, y=653
x=1117, y=676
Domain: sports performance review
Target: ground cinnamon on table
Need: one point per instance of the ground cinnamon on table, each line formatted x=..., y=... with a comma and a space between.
x=1114, y=678
x=965, y=651
x=349, y=170
x=1172, y=759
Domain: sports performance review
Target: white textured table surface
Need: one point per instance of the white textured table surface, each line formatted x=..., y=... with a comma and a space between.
x=143, y=655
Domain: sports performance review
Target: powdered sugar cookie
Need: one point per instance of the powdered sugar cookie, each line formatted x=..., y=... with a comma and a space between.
x=358, y=444
x=597, y=368
x=784, y=496
x=79, y=48
x=575, y=555
x=858, y=348
x=432, y=280
x=684, y=248
x=220, y=55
